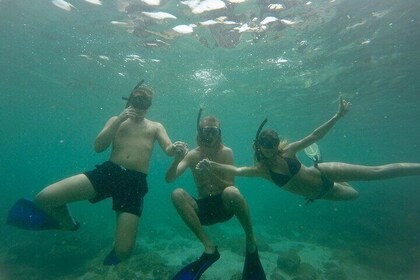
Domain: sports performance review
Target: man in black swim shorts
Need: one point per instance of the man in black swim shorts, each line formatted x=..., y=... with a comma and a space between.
x=126, y=187
x=123, y=177
x=218, y=199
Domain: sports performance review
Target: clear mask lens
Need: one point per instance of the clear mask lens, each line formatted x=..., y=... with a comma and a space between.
x=210, y=131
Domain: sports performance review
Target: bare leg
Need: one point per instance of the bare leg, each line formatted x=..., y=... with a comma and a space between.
x=235, y=202
x=343, y=172
x=54, y=198
x=342, y=191
x=187, y=208
x=125, y=234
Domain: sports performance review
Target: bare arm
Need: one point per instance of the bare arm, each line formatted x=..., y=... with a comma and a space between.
x=178, y=166
x=319, y=132
x=166, y=144
x=107, y=134
x=251, y=171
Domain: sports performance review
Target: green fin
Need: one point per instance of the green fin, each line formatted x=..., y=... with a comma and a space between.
x=313, y=152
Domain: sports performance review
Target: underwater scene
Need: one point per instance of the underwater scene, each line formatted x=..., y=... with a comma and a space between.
x=67, y=64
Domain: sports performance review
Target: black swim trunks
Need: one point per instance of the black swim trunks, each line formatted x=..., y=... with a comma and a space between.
x=126, y=187
x=211, y=210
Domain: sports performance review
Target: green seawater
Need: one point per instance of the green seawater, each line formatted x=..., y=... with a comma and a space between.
x=63, y=73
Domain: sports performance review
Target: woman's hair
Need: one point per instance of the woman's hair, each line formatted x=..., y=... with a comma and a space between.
x=271, y=137
x=212, y=121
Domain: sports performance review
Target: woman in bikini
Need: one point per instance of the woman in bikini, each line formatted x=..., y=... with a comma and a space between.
x=276, y=161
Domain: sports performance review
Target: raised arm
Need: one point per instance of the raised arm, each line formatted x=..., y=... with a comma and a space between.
x=107, y=134
x=321, y=131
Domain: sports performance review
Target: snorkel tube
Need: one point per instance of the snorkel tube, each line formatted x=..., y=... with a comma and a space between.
x=198, y=119
x=199, y=132
x=138, y=84
x=136, y=87
x=259, y=130
x=256, y=142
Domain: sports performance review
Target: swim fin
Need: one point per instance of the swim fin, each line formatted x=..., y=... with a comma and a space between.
x=25, y=215
x=253, y=269
x=313, y=152
x=194, y=270
x=111, y=258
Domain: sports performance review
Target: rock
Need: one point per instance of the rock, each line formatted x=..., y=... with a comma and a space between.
x=288, y=261
x=335, y=274
x=162, y=273
x=276, y=275
x=236, y=276
x=306, y=272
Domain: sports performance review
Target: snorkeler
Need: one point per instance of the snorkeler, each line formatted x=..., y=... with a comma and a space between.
x=218, y=201
x=122, y=177
x=276, y=161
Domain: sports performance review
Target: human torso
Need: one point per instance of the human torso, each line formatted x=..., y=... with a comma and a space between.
x=288, y=173
x=307, y=182
x=280, y=168
x=208, y=185
x=289, y=168
x=133, y=144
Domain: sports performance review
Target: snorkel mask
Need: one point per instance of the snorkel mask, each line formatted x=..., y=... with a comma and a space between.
x=207, y=134
x=142, y=101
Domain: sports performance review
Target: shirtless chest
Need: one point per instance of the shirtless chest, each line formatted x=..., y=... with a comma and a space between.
x=133, y=145
x=197, y=155
x=208, y=183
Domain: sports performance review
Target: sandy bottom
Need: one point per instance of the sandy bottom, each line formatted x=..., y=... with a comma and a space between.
x=161, y=253
x=162, y=259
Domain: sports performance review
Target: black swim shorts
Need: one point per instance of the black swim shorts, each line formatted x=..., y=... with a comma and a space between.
x=211, y=210
x=126, y=187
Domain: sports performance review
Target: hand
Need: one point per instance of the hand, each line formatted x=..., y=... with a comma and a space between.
x=180, y=149
x=343, y=107
x=128, y=112
x=204, y=165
